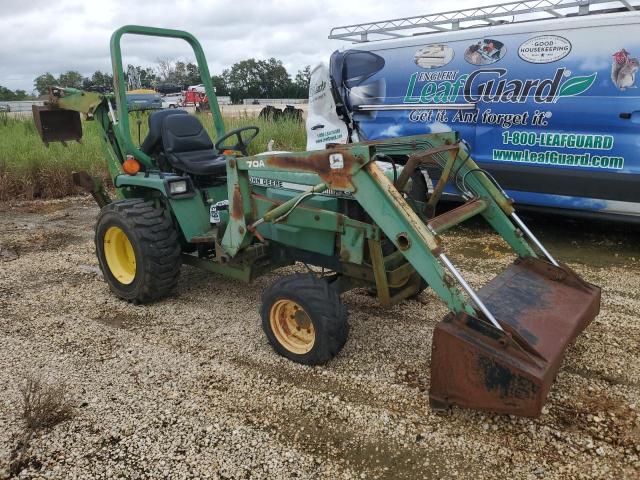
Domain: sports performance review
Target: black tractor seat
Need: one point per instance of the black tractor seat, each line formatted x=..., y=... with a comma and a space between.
x=188, y=148
x=153, y=142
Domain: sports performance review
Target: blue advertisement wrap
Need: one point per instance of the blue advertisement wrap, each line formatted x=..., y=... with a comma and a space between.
x=554, y=115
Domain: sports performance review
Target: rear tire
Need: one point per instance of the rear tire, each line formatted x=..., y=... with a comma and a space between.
x=304, y=319
x=138, y=250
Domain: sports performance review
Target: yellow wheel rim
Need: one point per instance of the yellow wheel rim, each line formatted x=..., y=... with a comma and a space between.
x=121, y=259
x=292, y=326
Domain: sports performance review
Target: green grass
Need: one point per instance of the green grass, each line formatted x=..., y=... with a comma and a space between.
x=30, y=170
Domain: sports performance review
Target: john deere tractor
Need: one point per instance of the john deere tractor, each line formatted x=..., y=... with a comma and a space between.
x=351, y=210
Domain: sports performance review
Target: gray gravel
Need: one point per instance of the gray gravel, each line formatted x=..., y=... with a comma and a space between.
x=190, y=388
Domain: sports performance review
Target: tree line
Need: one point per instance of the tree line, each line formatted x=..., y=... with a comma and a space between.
x=250, y=78
x=8, y=95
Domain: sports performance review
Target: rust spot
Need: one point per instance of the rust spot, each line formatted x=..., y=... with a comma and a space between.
x=339, y=178
x=237, y=211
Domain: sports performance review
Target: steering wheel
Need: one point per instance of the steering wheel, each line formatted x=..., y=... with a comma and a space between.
x=241, y=144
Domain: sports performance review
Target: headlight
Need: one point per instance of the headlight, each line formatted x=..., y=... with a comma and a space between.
x=178, y=187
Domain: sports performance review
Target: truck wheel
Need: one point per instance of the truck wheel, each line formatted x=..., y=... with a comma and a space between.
x=138, y=250
x=304, y=319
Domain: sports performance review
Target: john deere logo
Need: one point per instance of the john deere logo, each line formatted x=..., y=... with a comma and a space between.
x=490, y=86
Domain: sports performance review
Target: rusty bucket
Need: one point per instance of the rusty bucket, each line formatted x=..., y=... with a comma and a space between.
x=542, y=309
x=56, y=124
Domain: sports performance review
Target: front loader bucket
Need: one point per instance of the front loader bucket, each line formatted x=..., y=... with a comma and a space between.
x=542, y=309
x=57, y=124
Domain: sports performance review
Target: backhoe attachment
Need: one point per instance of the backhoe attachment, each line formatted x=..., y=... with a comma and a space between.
x=57, y=125
x=59, y=119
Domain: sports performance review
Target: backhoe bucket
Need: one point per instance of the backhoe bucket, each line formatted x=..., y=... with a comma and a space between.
x=542, y=309
x=57, y=124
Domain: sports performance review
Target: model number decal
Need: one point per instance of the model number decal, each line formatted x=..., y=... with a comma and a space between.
x=255, y=163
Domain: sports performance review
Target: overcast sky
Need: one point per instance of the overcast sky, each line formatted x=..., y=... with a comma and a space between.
x=37, y=36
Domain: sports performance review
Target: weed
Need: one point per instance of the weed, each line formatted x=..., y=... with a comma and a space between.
x=42, y=406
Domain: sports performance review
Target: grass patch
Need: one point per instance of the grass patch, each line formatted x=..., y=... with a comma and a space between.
x=29, y=170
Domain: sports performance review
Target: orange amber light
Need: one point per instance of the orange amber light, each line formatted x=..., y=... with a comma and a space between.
x=131, y=166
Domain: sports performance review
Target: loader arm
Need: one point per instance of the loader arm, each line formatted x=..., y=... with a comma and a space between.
x=501, y=346
x=358, y=175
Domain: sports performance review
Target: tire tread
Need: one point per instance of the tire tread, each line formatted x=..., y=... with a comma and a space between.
x=322, y=303
x=158, y=241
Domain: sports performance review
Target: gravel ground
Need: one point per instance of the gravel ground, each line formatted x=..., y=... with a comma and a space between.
x=190, y=388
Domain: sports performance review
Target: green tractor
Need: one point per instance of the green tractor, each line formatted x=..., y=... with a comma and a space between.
x=351, y=210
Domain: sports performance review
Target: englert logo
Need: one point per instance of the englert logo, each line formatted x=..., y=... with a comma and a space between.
x=544, y=49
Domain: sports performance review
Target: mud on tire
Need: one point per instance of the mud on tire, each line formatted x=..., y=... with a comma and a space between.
x=153, y=241
x=322, y=307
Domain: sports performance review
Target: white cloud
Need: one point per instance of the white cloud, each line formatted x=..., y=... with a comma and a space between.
x=39, y=36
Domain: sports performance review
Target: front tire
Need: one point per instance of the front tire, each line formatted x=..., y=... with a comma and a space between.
x=304, y=319
x=138, y=250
